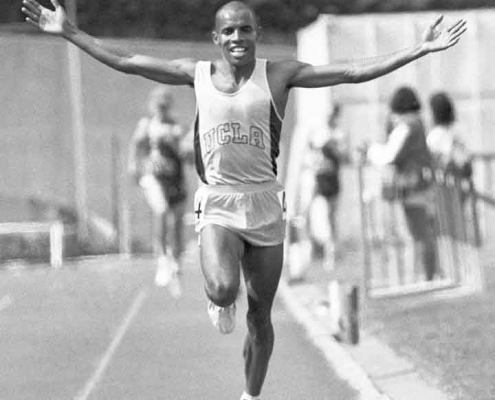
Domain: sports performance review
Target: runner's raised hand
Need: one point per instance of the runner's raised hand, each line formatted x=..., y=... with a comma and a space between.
x=436, y=38
x=49, y=21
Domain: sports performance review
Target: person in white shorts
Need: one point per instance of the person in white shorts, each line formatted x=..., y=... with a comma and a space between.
x=327, y=149
x=156, y=162
x=240, y=106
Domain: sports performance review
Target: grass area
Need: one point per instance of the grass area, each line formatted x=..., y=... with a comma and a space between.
x=451, y=341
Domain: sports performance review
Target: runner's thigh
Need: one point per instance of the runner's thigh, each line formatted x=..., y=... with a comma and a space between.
x=154, y=194
x=262, y=267
x=220, y=255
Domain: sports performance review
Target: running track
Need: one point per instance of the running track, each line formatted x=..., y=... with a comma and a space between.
x=99, y=329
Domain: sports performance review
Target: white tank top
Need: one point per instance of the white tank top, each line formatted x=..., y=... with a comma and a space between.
x=236, y=135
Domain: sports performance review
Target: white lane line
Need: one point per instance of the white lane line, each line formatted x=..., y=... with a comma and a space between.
x=341, y=362
x=5, y=301
x=107, y=356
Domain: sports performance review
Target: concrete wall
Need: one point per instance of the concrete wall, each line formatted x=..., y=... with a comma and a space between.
x=464, y=71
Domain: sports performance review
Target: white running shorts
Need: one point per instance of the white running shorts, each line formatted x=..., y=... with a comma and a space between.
x=256, y=212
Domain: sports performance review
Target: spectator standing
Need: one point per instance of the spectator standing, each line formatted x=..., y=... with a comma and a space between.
x=328, y=149
x=408, y=178
x=449, y=152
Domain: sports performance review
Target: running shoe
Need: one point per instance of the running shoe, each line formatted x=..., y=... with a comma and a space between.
x=245, y=396
x=175, y=286
x=164, y=271
x=222, y=318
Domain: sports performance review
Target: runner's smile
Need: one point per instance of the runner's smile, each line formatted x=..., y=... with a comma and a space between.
x=238, y=51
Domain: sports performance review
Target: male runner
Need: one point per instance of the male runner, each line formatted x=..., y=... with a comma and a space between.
x=156, y=161
x=240, y=106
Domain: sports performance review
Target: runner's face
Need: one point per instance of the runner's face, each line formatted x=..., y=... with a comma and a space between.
x=236, y=34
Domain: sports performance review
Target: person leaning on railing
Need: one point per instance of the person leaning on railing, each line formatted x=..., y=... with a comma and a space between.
x=406, y=173
x=449, y=152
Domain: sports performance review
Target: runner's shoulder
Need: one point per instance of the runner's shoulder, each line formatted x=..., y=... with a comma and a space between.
x=186, y=65
x=285, y=69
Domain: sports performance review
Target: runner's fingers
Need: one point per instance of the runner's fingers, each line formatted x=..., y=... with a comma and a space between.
x=36, y=24
x=453, y=42
x=30, y=15
x=459, y=33
x=32, y=6
x=437, y=22
x=457, y=26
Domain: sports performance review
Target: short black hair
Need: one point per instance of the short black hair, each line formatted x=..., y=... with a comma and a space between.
x=442, y=108
x=405, y=100
x=236, y=5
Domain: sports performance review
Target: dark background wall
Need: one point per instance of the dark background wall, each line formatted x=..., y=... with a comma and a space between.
x=193, y=19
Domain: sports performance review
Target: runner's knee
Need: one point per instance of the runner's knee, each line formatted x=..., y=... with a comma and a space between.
x=222, y=293
x=259, y=324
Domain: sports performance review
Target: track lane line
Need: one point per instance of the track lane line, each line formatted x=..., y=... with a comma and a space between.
x=90, y=385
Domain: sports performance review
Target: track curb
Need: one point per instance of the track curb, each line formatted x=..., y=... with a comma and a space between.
x=371, y=367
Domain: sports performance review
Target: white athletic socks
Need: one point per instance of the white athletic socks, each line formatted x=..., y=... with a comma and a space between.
x=246, y=396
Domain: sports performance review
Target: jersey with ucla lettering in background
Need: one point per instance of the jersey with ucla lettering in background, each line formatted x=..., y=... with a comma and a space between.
x=236, y=135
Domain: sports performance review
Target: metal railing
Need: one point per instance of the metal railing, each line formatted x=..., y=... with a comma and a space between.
x=395, y=262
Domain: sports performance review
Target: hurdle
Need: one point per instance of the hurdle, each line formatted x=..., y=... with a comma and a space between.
x=54, y=229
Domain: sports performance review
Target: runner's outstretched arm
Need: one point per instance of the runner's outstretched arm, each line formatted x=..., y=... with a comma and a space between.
x=435, y=38
x=55, y=22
